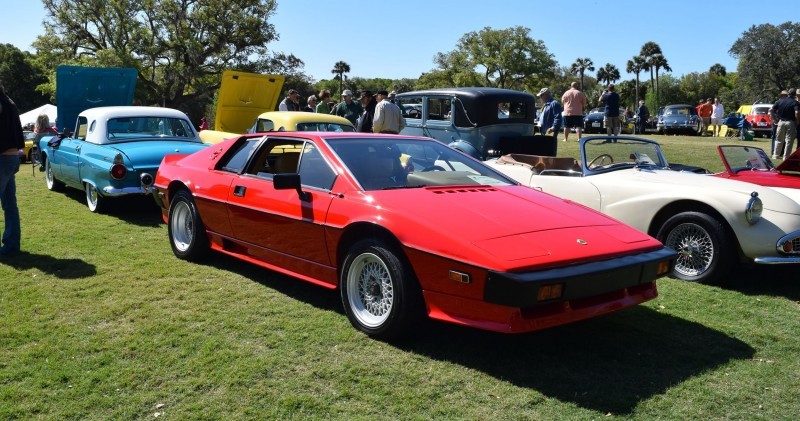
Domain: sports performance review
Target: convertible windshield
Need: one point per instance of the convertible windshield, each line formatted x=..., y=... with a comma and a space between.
x=746, y=158
x=146, y=128
x=617, y=153
x=382, y=164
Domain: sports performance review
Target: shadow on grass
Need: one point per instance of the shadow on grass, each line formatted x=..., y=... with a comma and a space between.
x=133, y=209
x=60, y=268
x=777, y=280
x=608, y=364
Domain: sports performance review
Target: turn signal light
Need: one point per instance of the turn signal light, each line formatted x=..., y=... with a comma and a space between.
x=550, y=292
x=663, y=267
x=787, y=247
x=458, y=277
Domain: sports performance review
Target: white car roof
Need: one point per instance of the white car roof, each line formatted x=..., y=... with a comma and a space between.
x=131, y=111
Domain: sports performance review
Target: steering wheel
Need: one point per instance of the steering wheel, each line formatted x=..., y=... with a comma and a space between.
x=433, y=168
x=602, y=158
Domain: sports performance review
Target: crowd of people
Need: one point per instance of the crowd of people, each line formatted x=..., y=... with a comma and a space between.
x=371, y=113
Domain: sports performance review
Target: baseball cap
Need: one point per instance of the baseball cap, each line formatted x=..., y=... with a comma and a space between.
x=347, y=92
x=543, y=91
x=383, y=92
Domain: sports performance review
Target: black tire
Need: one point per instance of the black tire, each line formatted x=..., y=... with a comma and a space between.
x=705, y=250
x=187, y=234
x=50, y=179
x=94, y=201
x=379, y=291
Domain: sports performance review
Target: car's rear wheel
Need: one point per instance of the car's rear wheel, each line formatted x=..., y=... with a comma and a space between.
x=380, y=293
x=187, y=234
x=50, y=179
x=94, y=200
x=704, y=246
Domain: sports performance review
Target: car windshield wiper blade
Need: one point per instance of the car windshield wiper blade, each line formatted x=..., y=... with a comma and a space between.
x=415, y=186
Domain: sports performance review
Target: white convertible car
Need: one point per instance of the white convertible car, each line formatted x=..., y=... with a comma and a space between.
x=712, y=222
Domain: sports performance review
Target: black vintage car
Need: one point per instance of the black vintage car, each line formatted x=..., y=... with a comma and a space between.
x=593, y=122
x=483, y=122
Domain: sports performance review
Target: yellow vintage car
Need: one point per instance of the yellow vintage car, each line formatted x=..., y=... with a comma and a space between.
x=29, y=152
x=279, y=121
x=246, y=102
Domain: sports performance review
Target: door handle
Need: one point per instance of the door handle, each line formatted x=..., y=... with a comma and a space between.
x=239, y=191
x=77, y=148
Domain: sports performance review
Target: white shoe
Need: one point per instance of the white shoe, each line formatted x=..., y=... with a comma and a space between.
x=774, y=156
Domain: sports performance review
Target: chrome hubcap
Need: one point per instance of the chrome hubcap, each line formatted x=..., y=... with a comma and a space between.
x=695, y=249
x=182, y=226
x=370, y=290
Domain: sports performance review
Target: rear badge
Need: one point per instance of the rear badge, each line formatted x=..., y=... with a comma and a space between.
x=582, y=242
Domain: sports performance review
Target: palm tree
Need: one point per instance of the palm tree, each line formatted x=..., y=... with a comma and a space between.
x=580, y=66
x=635, y=66
x=339, y=69
x=650, y=49
x=608, y=73
x=659, y=62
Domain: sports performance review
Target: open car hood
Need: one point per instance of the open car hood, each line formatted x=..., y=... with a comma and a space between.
x=791, y=164
x=80, y=88
x=242, y=97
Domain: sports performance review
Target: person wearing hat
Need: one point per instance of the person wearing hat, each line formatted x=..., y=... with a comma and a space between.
x=388, y=117
x=368, y=102
x=642, y=115
x=348, y=108
x=787, y=111
x=610, y=98
x=774, y=119
x=392, y=96
x=291, y=102
x=550, y=117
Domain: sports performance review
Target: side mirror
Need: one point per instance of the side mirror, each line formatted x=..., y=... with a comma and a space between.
x=290, y=181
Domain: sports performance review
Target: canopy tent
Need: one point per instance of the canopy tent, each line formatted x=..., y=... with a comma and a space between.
x=30, y=116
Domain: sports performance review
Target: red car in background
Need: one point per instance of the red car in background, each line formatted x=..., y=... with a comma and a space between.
x=751, y=164
x=760, y=120
x=405, y=227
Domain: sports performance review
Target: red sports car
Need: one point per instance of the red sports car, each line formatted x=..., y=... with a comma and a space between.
x=404, y=227
x=751, y=164
x=760, y=120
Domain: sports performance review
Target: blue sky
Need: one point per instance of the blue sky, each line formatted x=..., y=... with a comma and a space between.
x=396, y=39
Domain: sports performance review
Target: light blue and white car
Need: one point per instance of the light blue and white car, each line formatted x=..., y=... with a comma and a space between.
x=115, y=151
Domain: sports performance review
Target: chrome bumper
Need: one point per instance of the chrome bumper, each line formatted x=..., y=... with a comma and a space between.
x=777, y=260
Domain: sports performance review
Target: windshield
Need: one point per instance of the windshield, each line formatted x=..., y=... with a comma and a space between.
x=746, y=158
x=601, y=154
x=148, y=128
x=383, y=163
x=760, y=111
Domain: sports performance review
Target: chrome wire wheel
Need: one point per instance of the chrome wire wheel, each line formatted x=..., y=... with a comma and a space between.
x=370, y=291
x=182, y=226
x=695, y=249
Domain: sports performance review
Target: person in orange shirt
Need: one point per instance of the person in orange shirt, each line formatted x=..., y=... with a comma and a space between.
x=704, y=112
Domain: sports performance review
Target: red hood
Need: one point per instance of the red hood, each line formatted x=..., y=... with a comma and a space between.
x=791, y=164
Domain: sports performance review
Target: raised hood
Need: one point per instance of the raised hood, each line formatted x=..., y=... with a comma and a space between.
x=146, y=155
x=80, y=88
x=791, y=164
x=513, y=227
x=242, y=97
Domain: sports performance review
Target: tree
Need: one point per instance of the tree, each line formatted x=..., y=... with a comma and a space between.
x=339, y=69
x=508, y=57
x=580, y=66
x=179, y=47
x=768, y=57
x=636, y=65
x=608, y=73
x=21, y=77
x=717, y=69
x=650, y=49
x=658, y=61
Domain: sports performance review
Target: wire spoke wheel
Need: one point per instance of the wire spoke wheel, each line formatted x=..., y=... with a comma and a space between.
x=371, y=293
x=694, y=246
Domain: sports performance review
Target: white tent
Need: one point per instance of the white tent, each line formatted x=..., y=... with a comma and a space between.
x=30, y=116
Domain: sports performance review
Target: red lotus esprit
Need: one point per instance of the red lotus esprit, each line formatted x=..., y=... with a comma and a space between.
x=403, y=227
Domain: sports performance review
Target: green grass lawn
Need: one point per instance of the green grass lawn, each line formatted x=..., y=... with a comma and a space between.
x=99, y=320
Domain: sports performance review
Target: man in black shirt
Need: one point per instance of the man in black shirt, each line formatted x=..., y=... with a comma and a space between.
x=787, y=112
x=11, y=141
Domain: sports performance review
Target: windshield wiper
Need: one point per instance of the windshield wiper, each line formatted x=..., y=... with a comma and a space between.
x=415, y=186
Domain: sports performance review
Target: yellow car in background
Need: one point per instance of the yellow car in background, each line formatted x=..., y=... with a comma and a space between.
x=29, y=152
x=289, y=121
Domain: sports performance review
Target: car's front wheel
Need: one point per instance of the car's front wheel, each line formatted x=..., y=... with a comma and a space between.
x=187, y=234
x=94, y=200
x=704, y=247
x=380, y=293
x=50, y=179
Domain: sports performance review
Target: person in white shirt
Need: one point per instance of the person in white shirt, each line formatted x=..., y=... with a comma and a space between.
x=388, y=117
x=717, y=114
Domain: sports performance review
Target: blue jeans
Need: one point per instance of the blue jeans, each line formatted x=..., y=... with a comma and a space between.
x=9, y=166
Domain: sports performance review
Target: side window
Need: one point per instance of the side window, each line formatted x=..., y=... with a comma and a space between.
x=314, y=170
x=439, y=108
x=80, y=130
x=411, y=106
x=276, y=156
x=265, y=126
x=237, y=158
